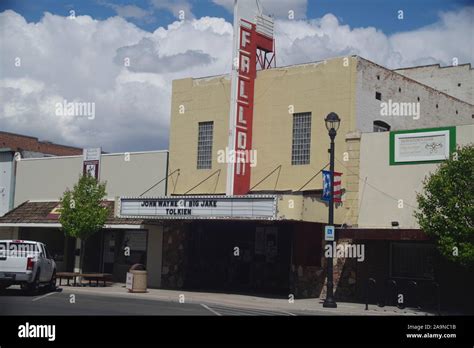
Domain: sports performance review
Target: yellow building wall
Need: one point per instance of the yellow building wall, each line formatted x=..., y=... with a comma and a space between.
x=318, y=88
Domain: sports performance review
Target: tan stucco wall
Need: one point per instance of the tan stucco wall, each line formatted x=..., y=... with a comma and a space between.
x=382, y=185
x=308, y=208
x=318, y=88
x=47, y=178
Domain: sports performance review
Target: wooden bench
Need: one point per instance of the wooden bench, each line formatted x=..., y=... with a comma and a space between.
x=68, y=276
x=97, y=277
x=87, y=276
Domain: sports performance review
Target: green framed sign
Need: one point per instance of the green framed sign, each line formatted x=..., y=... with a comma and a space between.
x=428, y=145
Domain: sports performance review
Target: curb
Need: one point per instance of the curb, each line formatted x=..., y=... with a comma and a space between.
x=234, y=304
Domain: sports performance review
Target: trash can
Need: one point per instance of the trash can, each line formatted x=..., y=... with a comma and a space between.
x=137, y=278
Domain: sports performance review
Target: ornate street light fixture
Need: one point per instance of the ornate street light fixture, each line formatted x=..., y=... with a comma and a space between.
x=332, y=121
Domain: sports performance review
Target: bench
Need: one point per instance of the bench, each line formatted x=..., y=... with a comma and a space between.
x=97, y=277
x=68, y=276
x=87, y=276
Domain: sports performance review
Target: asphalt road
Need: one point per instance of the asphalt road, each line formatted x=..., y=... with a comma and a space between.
x=15, y=302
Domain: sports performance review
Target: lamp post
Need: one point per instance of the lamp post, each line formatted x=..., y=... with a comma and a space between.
x=332, y=121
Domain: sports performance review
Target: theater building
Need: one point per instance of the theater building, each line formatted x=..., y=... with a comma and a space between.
x=281, y=247
x=244, y=210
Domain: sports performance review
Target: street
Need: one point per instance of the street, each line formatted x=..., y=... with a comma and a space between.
x=15, y=302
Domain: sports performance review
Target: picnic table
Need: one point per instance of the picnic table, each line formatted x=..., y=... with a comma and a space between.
x=87, y=276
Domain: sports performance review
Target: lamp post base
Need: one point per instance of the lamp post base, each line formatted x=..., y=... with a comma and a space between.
x=329, y=303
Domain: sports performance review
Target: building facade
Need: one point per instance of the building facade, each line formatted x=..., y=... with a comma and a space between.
x=40, y=182
x=289, y=146
x=15, y=146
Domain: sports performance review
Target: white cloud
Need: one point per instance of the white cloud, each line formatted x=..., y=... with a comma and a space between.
x=129, y=11
x=175, y=7
x=318, y=39
x=83, y=60
x=275, y=8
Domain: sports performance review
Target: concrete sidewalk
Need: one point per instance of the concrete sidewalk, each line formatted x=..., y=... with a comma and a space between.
x=301, y=306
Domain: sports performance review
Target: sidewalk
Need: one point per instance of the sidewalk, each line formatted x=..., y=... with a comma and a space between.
x=301, y=306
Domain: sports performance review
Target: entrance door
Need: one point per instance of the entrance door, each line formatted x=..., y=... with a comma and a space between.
x=121, y=250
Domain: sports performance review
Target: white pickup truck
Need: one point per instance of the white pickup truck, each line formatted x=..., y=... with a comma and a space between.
x=26, y=263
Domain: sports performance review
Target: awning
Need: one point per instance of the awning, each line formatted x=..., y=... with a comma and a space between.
x=44, y=214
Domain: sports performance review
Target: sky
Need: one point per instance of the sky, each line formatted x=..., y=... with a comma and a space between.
x=49, y=56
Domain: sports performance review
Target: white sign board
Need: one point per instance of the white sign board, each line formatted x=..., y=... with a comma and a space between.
x=92, y=154
x=261, y=207
x=329, y=233
x=423, y=146
x=129, y=282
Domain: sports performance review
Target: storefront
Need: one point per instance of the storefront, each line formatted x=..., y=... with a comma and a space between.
x=245, y=244
x=114, y=249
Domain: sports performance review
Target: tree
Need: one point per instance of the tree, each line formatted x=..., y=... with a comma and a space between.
x=82, y=210
x=446, y=207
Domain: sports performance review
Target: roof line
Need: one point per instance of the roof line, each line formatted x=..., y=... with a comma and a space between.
x=438, y=65
x=417, y=82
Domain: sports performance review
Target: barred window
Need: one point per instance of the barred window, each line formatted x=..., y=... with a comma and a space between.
x=300, y=151
x=205, y=135
x=412, y=260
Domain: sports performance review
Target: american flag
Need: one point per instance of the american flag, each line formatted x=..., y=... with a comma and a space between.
x=327, y=186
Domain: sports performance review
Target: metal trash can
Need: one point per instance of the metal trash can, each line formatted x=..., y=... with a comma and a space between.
x=137, y=278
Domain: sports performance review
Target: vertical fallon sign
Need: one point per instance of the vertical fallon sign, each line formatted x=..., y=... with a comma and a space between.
x=247, y=40
x=91, y=161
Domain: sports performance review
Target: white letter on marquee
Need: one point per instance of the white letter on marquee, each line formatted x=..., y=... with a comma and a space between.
x=241, y=115
x=245, y=40
x=245, y=64
x=241, y=140
x=242, y=90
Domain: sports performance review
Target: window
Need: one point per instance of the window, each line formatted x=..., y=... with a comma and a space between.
x=412, y=260
x=399, y=90
x=300, y=151
x=381, y=126
x=204, y=158
x=378, y=95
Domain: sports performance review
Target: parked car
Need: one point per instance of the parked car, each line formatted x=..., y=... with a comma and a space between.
x=26, y=263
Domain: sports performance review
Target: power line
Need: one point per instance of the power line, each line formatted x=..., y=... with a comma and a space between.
x=373, y=187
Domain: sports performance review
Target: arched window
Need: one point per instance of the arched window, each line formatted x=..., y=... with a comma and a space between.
x=381, y=126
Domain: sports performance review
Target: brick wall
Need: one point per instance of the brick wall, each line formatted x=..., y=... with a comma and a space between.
x=18, y=142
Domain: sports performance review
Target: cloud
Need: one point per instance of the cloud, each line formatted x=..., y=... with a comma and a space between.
x=275, y=8
x=129, y=11
x=84, y=60
x=176, y=7
x=145, y=57
x=319, y=39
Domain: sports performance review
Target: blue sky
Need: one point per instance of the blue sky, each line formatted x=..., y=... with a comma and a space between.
x=381, y=14
x=83, y=59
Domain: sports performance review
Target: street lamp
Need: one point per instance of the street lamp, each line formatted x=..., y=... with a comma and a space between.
x=332, y=124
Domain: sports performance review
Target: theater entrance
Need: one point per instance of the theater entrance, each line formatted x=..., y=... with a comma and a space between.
x=243, y=257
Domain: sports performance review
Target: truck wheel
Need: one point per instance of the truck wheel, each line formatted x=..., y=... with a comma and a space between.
x=33, y=287
x=52, y=282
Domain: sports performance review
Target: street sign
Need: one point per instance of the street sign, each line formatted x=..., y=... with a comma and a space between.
x=329, y=233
